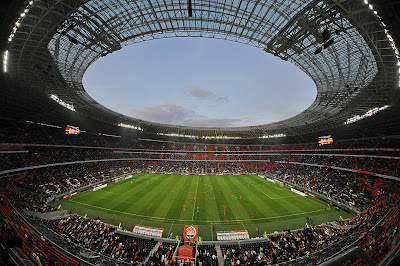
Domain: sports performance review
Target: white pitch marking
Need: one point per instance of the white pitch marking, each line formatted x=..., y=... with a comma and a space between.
x=257, y=188
x=181, y=220
x=141, y=185
x=169, y=233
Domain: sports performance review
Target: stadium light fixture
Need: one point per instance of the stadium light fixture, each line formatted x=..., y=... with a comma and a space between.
x=272, y=136
x=197, y=137
x=62, y=103
x=42, y=124
x=14, y=30
x=5, y=61
x=18, y=22
x=391, y=41
x=220, y=137
x=367, y=114
x=130, y=126
x=108, y=135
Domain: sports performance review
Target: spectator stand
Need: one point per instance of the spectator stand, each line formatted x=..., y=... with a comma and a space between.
x=321, y=196
x=46, y=215
x=86, y=256
x=34, y=246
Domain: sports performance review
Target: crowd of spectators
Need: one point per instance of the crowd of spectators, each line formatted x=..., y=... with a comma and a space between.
x=14, y=232
x=102, y=238
x=381, y=238
x=206, y=255
x=282, y=247
x=33, y=156
x=37, y=186
x=377, y=225
x=375, y=197
x=355, y=189
x=163, y=255
x=33, y=133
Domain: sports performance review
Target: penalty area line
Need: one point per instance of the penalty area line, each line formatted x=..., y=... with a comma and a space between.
x=257, y=188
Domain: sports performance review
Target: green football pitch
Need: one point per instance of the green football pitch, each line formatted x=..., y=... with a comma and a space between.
x=171, y=201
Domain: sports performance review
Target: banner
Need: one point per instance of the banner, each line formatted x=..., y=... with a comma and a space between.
x=232, y=235
x=148, y=231
x=100, y=186
x=190, y=233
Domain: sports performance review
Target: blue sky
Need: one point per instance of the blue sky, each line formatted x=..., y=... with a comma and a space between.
x=199, y=82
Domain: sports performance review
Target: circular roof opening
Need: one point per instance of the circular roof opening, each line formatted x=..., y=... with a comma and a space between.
x=199, y=82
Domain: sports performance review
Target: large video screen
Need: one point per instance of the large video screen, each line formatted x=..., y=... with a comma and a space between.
x=325, y=140
x=71, y=130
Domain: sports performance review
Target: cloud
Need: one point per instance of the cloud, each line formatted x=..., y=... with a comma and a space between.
x=222, y=98
x=169, y=113
x=197, y=92
x=212, y=122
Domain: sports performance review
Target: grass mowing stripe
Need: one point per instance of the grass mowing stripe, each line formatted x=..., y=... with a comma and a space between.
x=152, y=203
x=127, y=198
x=154, y=194
x=257, y=204
x=135, y=198
x=256, y=188
x=246, y=207
x=222, y=200
x=189, y=198
x=237, y=209
x=202, y=198
x=273, y=204
x=197, y=189
x=212, y=204
x=111, y=201
x=182, y=220
x=241, y=211
x=176, y=207
x=166, y=203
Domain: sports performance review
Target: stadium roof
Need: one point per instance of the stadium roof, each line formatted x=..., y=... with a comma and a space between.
x=344, y=46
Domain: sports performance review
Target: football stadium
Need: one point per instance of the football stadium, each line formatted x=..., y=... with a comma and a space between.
x=82, y=184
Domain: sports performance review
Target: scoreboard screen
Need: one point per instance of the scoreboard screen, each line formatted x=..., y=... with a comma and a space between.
x=71, y=130
x=325, y=140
